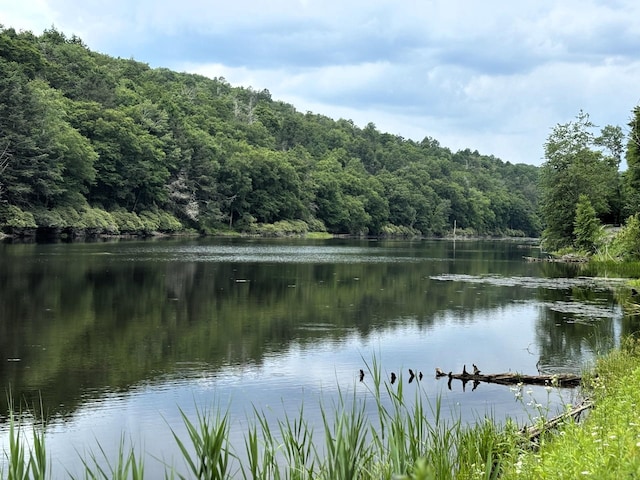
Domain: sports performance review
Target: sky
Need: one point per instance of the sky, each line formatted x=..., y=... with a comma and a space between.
x=494, y=76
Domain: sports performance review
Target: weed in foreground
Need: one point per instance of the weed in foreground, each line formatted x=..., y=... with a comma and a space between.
x=209, y=437
x=25, y=461
x=401, y=439
x=126, y=466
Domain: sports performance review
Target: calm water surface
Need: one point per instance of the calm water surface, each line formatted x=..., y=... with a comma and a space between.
x=114, y=338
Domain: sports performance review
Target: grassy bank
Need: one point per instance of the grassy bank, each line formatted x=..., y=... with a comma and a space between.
x=407, y=439
x=607, y=444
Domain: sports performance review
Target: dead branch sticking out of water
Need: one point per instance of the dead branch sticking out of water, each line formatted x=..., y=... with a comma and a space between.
x=533, y=433
x=509, y=378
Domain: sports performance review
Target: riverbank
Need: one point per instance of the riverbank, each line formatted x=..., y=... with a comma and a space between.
x=606, y=445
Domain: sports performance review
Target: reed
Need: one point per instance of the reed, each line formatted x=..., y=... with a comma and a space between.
x=24, y=461
x=127, y=464
x=210, y=455
x=404, y=437
x=348, y=454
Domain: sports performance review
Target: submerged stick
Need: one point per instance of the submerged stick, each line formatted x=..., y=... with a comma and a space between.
x=533, y=433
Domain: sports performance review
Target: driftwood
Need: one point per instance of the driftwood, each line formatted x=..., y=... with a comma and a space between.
x=533, y=433
x=509, y=378
x=563, y=259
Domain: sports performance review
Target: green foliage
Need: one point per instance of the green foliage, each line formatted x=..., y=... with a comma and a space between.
x=573, y=168
x=81, y=129
x=26, y=459
x=127, y=222
x=159, y=222
x=209, y=437
x=587, y=229
x=96, y=220
x=12, y=216
x=48, y=218
x=127, y=464
x=283, y=228
x=605, y=445
x=399, y=231
x=626, y=243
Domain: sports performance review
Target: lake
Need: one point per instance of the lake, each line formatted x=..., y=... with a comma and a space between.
x=115, y=338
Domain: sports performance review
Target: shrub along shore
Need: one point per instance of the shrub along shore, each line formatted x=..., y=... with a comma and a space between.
x=408, y=440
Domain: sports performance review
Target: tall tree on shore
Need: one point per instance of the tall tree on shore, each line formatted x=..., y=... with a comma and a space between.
x=632, y=175
x=574, y=166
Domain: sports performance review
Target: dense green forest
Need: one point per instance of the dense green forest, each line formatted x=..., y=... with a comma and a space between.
x=95, y=144
x=92, y=144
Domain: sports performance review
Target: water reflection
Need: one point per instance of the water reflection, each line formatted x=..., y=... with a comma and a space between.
x=114, y=336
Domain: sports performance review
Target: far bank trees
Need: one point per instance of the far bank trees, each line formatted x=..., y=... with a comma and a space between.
x=109, y=145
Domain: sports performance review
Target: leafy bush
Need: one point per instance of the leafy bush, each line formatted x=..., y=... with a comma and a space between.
x=169, y=223
x=316, y=225
x=96, y=221
x=150, y=221
x=127, y=222
x=247, y=223
x=48, y=218
x=12, y=216
x=390, y=230
x=283, y=228
x=69, y=216
x=510, y=232
x=626, y=243
x=159, y=221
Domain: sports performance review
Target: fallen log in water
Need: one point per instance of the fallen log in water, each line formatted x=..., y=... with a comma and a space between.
x=563, y=259
x=533, y=433
x=509, y=378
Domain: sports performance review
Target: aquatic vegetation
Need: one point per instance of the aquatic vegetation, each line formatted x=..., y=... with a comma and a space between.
x=403, y=438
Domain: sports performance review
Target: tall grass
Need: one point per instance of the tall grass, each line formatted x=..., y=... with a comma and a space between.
x=127, y=464
x=606, y=445
x=399, y=438
x=415, y=441
x=348, y=453
x=24, y=461
x=211, y=453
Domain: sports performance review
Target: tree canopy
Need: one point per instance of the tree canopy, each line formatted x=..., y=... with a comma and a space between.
x=580, y=183
x=91, y=141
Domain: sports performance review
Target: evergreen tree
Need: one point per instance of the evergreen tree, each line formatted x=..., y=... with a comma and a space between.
x=587, y=227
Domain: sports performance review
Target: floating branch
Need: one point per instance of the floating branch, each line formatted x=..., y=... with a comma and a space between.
x=509, y=378
x=533, y=433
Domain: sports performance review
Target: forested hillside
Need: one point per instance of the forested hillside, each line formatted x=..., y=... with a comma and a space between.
x=95, y=144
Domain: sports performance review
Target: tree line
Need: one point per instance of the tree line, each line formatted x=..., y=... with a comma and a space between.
x=99, y=144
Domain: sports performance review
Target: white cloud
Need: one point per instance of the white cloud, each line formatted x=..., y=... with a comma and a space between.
x=34, y=15
x=493, y=76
